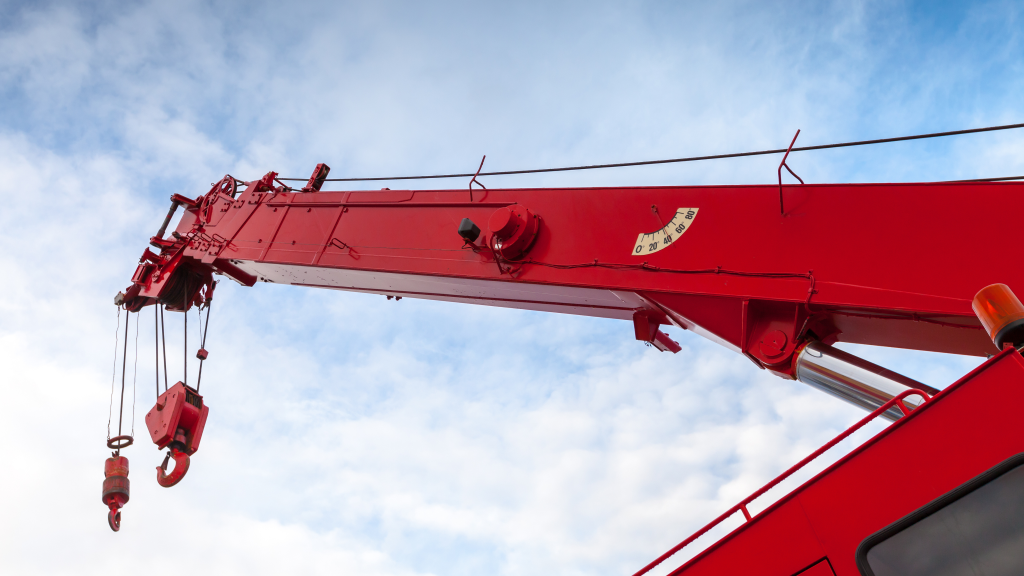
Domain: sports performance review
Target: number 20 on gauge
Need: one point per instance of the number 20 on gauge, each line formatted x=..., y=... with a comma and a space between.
x=651, y=242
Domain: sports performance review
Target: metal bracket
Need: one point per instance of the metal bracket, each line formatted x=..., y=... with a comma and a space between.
x=782, y=164
x=475, y=180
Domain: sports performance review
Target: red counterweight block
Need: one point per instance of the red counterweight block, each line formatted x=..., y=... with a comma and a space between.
x=179, y=416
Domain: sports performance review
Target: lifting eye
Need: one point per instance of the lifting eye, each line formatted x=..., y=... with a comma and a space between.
x=468, y=230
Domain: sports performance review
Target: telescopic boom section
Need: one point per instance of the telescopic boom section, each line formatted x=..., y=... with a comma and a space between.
x=884, y=264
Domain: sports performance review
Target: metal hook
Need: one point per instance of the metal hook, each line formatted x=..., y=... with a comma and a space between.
x=114, y=519
x=181, y=462
x=475, y=180
x=115, y=488
x=782, y=209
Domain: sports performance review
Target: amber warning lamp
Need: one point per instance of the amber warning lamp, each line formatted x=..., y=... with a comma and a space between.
x=1001, y=313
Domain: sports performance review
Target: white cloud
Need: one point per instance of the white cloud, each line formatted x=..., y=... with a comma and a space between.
x=349, y=433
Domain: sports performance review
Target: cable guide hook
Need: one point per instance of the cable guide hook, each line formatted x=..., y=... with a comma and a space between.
x=474, y=180
x=782, y=209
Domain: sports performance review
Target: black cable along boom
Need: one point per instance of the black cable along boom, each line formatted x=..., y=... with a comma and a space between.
x=697, y=158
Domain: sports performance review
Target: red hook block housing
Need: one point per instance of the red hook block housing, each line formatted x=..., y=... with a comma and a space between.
x=177, y=422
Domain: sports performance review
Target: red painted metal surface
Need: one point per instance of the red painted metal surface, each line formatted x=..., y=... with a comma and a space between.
x=886, y=264
x=742, y=506
x=178, y=416
x=115, y=489
x=964, y=431
x=181, y=464
x=177, y=422
x=883, y=264
x=822, y=568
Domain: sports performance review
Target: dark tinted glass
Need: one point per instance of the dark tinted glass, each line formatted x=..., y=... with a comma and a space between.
x=979, y=534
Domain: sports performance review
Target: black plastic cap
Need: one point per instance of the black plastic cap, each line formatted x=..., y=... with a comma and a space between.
x=1012, y=333
x=469, y=230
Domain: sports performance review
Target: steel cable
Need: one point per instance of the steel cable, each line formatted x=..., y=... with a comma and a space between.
x=163, y=341
x=113, y=374
x=202, y=345
x=135, y=370
x=688, y=159
x=124, y=366
x=185, y=310
x=156, y=344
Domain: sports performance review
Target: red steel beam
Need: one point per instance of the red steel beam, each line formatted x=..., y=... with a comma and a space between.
x=885, y=264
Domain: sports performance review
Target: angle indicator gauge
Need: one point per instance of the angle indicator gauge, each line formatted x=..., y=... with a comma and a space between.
x=651, y=242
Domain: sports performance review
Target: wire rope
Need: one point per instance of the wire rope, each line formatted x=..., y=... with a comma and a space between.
x=156, y=345
x=124, y=366
x=199, y=328
x=113, y=375
x=1003, y=179
x=135, y=370
x=686, y=159
x=204, y=332
x=163, y=340
x=185, y=310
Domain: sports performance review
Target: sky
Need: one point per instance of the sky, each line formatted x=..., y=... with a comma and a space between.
x=352, y=434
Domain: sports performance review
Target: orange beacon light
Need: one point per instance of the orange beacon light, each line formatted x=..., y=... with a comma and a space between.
x=1001, y=313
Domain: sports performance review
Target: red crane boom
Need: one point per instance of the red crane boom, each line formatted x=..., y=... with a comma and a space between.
x=883, y=264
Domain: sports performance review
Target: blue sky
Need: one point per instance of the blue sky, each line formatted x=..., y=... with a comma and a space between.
x=351, y=433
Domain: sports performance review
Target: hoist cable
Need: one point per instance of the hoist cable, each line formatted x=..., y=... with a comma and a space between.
x=1003, y=179
x=113, y=375
x=124, y=365
x=676, y=160
x=135, y=371
x=156, y=345
x=199, y=329
x=163, y=339
x=185, y=310
x=202, y=345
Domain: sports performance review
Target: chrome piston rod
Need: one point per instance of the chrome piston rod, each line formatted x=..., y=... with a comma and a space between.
x=854, y=379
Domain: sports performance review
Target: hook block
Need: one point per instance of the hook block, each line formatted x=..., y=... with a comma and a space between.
x=179, y=409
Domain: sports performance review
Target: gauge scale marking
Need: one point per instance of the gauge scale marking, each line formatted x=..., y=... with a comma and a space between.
x=651, y=242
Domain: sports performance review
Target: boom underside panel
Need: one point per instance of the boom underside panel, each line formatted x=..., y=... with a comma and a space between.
x=545, y=298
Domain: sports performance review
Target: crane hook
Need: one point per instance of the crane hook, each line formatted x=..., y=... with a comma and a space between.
x=114, y=519
x=181, y=462
x=176, y=423
x=115, y=484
